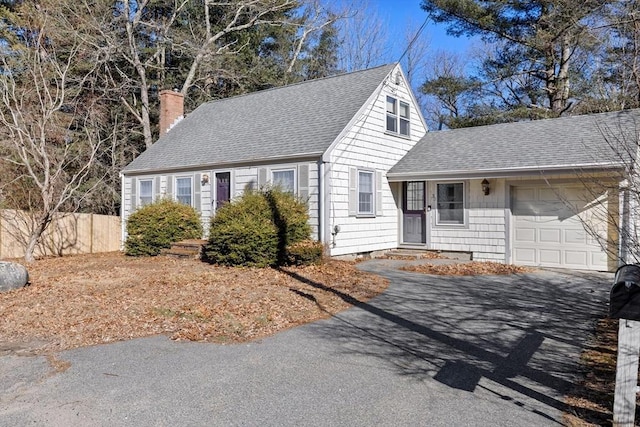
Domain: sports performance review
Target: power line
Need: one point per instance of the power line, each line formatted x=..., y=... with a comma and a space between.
x=415, y=37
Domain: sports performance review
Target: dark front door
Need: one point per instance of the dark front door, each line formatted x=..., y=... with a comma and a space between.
x=223, y=188
x=414, y=215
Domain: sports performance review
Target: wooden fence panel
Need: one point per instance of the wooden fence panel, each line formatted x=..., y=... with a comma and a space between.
x=68, y=233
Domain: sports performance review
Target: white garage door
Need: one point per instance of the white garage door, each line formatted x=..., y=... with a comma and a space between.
x=550, y=227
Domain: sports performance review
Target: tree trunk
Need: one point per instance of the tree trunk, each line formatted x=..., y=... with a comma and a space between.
x=560, y=95
x=41, y=225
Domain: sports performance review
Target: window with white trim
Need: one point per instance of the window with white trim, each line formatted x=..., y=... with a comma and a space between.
x=285, y=179
x=450, y=203
x=184, y=190
x=365, y=192
x=145, y=191
x=398, y=120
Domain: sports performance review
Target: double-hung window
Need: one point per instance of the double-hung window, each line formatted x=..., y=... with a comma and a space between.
x=184, y=190
x=284, y=179
x=398, y=116
x=146, y=191
x=451, y=203
x=365, y=193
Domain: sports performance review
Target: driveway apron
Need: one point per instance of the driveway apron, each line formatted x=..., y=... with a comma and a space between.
x=431, y=351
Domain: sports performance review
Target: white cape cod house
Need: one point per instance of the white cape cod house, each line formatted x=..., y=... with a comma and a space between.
x=356, y=147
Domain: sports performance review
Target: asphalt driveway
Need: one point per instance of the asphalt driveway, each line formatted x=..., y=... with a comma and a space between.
x=436, y=351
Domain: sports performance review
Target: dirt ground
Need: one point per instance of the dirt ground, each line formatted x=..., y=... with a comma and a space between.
x=91, y=299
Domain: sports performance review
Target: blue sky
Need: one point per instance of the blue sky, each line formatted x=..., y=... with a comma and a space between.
x=400, y=13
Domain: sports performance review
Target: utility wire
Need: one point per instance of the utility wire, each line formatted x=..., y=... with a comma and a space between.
x=415, y=37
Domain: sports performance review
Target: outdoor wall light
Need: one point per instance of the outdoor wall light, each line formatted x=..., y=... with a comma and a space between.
x=485, y=187
x=205, y=179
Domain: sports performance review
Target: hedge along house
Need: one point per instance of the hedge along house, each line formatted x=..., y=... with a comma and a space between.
x=555, y=193
x=331, y=141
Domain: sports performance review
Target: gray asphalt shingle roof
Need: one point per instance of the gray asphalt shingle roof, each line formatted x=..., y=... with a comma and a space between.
x=298, y=119
x=573, y=141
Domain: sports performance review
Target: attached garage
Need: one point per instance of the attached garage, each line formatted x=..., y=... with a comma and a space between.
x=561, y=226
x=549, y=193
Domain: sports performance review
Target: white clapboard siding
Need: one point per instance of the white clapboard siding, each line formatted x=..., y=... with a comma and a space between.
x=367, y=146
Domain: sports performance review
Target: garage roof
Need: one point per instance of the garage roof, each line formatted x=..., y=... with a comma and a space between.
x=595, y=141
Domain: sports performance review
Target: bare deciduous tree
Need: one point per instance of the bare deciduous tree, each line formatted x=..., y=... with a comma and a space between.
x=48, y=135
x=365, y=39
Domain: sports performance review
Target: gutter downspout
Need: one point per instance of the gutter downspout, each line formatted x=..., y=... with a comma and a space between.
x=321, y=202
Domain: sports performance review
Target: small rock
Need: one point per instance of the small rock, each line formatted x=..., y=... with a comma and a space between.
x=12, y=276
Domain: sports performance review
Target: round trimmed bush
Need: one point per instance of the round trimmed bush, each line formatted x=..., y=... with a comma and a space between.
x=258, y=229
x=242, y=233
x=155, y=226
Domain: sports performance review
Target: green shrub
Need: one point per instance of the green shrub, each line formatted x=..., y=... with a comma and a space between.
x=256, y=229
x=242, y=233
x=291, y=218
x=305, y=252
x=155, y=226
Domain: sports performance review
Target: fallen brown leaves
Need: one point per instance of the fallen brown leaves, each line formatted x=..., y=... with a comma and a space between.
x=592, y=398
x=473, y=268
x=91, y=299
x=424, y=255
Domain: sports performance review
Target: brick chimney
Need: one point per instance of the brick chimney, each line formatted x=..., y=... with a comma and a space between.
x=171, y=109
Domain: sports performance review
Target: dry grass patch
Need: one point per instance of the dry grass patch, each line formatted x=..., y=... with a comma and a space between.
x=473, y=268
x=92, y=299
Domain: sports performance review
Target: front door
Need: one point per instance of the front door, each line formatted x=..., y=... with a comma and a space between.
x=223, y=188
x=414, y=215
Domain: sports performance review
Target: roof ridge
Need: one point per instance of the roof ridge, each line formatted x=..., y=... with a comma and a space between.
x=349, y=73
x=569, y=117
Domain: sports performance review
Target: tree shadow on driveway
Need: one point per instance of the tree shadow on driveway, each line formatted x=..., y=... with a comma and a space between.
x=515, y=338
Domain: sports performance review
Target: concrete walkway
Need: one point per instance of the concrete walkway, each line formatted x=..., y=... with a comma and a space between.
x=436, y=351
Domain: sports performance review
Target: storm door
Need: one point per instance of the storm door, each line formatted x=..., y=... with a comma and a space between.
x=413, y=212
x=223, y=188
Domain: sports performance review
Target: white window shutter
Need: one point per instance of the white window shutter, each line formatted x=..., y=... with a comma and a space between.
x=262, y=177
x=212, y=188
x=134, y=193
x=378, y=193
x=170, y=187
x=353, y=191
x=232, y=184
x=197, y=189
x=303, y=182
x=156, y=192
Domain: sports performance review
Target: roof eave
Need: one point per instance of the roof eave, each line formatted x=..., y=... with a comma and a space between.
x=504, y=172
x=225, y=165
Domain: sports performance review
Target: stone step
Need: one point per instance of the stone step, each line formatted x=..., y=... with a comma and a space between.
x=185, y=249
x=406, y=253
x=421, y=253
x=195, y=244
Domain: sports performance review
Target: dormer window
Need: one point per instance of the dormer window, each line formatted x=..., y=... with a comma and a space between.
x=397, y=116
